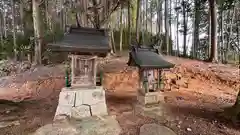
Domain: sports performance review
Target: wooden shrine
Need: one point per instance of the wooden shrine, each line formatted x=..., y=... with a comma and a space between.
x=150, y=65
x=82, y=98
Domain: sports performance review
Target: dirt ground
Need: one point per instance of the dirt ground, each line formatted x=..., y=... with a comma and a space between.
x=194, y=110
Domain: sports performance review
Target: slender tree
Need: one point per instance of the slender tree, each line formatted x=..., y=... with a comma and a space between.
x=166, y=27
x=196, y=28
x=184, y=5
x=138, y=20
x=14, y=29
x=121, y=30
x=214, y=49
x=129, y=23
x=37, y=31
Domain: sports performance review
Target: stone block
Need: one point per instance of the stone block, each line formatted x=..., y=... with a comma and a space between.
x=80, y=111
x=99, y=108
x=150, y=98
x=67, y=98
x=79, y=98
x=63, y=110
x=92, y=97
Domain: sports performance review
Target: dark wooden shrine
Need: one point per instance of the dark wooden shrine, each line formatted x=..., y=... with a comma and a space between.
x=84, y=45
x=150, y=64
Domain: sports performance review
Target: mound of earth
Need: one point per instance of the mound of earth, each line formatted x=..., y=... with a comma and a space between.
x=32, y=85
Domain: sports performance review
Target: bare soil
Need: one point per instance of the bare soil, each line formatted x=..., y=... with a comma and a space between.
x=194, y=110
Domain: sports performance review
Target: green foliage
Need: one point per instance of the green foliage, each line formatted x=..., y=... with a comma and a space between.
x=26, y=43
x=6, y=49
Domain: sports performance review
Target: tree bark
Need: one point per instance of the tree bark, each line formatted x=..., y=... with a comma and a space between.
x=159, y=16
x=196, y=28
x=222, y=35
x=1, y=28
x=37, y=32
x=184, y=29
x=138, y=21
x=121, y=30
x=214, y=49
x=16, y=56
x=129, y=24
x=166, y=27
x=177, y=30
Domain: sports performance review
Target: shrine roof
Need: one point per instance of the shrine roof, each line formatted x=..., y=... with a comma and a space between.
x=82, y=40
x=147, y=57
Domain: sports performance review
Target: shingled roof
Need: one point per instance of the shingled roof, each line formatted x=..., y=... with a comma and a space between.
x=147, y=57
x=82, y=40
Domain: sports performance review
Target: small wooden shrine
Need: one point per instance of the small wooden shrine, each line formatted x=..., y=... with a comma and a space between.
x=82, y=98
x=84, y=45
x=150, y=64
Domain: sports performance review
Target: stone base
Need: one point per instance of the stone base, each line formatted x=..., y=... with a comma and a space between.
x=104, y=125
x=150, y=98
x=158, y=112
x=79, y=102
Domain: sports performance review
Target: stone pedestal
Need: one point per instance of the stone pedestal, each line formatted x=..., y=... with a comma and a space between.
x=150, y=98
x=152, y=105
x=80, y=102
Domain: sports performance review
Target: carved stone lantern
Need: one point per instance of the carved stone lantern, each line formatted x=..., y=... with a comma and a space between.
x=150, y=65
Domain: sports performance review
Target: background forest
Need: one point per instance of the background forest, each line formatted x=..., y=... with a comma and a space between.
x=199, y=29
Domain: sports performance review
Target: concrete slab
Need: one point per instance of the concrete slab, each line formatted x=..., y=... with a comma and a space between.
x=92, y=97
x=80, y=111
x=67, y=98
x=63, y=110
x=82, y=102
x=99, y=109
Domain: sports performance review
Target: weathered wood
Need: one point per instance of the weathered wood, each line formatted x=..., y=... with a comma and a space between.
x=83, y=70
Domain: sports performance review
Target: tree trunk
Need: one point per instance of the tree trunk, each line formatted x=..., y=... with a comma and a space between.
x=151, y=16
x=129, y=24
x=96, y=15
x=177, y=30
x=1, y=28
x=14, y=30
x=4, y=24
x=196, y=28
x=159, y=16
x=230, y=33
x=138, y=21
x=222, y=35
x=133, y=4
x=214, y=49
x=208, y=48
x=121, y=30
x=146, y=15
x=170, y=23
x=166, y=27
x=37, y=32
x=184, y=29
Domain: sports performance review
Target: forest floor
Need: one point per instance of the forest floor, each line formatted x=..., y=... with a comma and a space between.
x=193, y=109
